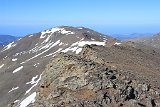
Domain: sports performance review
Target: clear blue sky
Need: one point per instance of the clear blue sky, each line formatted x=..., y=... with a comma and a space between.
x=20, y=17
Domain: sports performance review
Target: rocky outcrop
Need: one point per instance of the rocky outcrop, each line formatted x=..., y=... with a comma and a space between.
x=89, y=81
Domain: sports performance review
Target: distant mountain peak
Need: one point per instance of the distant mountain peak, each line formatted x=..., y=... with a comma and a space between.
x=6, y=39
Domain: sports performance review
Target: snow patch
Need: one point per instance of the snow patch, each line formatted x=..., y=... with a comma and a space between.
x=82, y=43
x=61, y=43
x=36, y=44
x=73, y=49
x=53, y=53
x=18, y=69
x=13, y=89
x=47, y=39
x=92, y=39
x=53, y=30
x=105, y=39
x=16, y=101
x=63, y=31
x=77, y=46
x=117, y=43
x=43, y=34
x=33, y=82
x=19, y=39
x=5, y=57
x=78, y=50
x=30, y=99
x=1, y=66
x=51, y=45
x=30, y=36
x=15, y=59
x=36, y=65
x=8, y=46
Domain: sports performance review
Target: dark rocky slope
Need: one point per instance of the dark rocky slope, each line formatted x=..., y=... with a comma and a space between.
x=125, y=75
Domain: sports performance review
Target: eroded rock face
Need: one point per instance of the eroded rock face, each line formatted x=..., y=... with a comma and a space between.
x=78, y=81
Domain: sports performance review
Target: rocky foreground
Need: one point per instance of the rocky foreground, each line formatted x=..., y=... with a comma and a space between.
x=101, y=77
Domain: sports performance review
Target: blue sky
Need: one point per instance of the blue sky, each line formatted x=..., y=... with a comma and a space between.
x=20, y=17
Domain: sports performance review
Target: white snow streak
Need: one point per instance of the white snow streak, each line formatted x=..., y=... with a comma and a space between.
x=77, y=46
x=8, y=46
x=73, y=49
x=51, y=46
x=1, y=66
x=13, y=89
x=63, y=31
x=30, y=36
x=18, y=69
x=16, y=101
x=61, y=43
x=48, y=31
x=82, y=43
x=33, y=82
x=117, y=43
x=51, y=31
x=15, y=59
x=53, y=53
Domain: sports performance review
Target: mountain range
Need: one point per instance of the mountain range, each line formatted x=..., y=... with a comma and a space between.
x=78, y=67
x=6, y=39
x=153, y=41
x=125, y=37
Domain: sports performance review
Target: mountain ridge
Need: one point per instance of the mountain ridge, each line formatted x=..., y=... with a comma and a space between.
x=89, y=80
x=153, y=41
x=6, y=39
x=126, y=37
x=78, y=60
